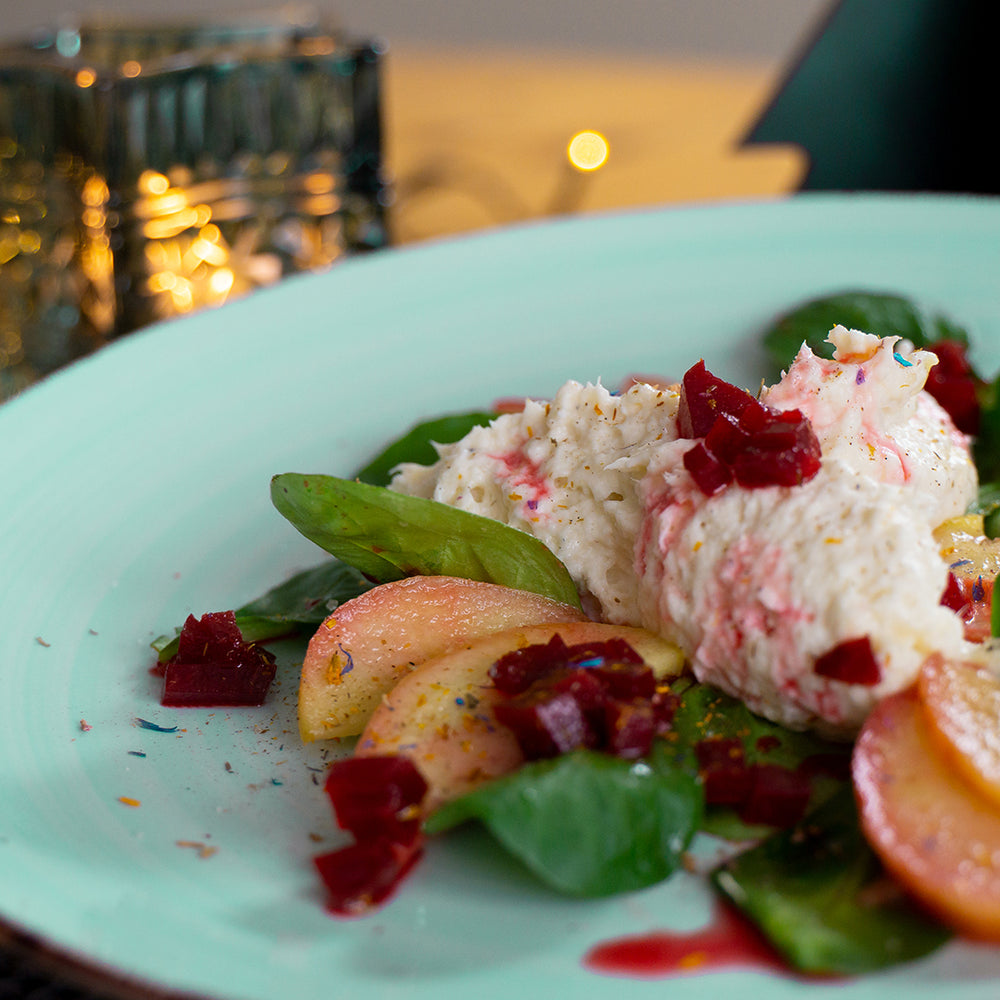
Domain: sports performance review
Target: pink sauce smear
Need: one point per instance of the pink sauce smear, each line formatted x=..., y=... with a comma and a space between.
x=729, y=941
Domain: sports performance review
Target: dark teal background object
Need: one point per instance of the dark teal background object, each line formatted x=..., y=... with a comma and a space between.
x=894, y=95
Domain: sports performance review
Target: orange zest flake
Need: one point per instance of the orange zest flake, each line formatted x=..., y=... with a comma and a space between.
x=693, y=960
x=125, y=800
x=204, y=851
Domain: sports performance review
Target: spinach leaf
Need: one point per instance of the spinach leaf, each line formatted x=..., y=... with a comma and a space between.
x=587, y=823
x=297, y=605
x=416, y=445
x=388, y=535
x=874, y=312
x=818, y=892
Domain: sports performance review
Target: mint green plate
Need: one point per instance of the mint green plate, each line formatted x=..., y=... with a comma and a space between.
x=134, y=489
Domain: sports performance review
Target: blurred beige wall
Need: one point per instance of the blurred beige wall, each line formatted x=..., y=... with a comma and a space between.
x=756, y=30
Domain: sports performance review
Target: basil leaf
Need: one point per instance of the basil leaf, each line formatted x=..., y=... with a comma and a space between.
x=417, y=445
x=587, y=823
x=706, y=713
x=818, y=892
x=388, y=535
x=873, y=312
x=299, y=604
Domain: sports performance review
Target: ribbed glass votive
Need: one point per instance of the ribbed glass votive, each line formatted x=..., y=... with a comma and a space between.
x=149, y=172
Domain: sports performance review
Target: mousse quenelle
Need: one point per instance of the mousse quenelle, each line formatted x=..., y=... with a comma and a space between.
x=784, y=542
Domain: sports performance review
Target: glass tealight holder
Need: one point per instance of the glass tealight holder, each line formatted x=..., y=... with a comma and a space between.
x=149, y=172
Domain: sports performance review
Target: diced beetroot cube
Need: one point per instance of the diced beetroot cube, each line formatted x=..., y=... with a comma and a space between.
x=954, y=384
x=213, y=638
x=626, y=681
x=214, y=667
x=517, y=670
x=852, y=662
x=630, y=728
x=728, y=437
x=704, y=396
x=546, y=723
x=665, y=704
x=582, y=683
x=377, y=797
x=833, y=765
x=363, y=875
x=616, y=649
x=777, y=796
x=709, y=473
x=724, y=771
x=782, y=450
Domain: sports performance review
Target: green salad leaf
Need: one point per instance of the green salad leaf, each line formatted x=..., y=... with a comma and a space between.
x=986, y=446
x=297, y=605
x=387, y=536
x=987, y=503
x=587, y=823
x=819, y=894
x=417, y=445
x=880, y=313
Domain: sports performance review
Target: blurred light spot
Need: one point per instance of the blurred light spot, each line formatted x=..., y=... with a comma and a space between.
x=131, y=68
x=588, y=150
x=86, y=78
x=152, y=182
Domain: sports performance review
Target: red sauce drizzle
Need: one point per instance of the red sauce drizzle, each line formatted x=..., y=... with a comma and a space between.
x=728, y=941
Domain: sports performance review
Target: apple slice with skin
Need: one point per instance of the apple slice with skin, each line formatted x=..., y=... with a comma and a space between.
x=441, y=714
x=962, y=705
x=932, y=830
x=369, y=643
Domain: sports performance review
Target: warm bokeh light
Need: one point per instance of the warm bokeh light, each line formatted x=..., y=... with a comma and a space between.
x=588, y=150
x=131, y=68
x=86, y=78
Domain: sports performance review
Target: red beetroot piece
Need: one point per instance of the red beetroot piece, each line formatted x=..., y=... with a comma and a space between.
x=743, y=440
x=704, y=397
x=852, y=662
x=597, y=696
x=517, y=670
x=724, y=770
x=761, y=794
x=378, y=800
x=777, y=796
x=361, y=876
x=711, y=474
x=375, y=797
x=214, y=667
x=547, y=722
x=954, y=384
x=781, y=449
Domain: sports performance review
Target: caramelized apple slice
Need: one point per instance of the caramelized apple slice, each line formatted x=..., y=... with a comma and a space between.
x=932, y=830
x=441, y=714
x=973, y=561
x=370, y=642
x=962, y=705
